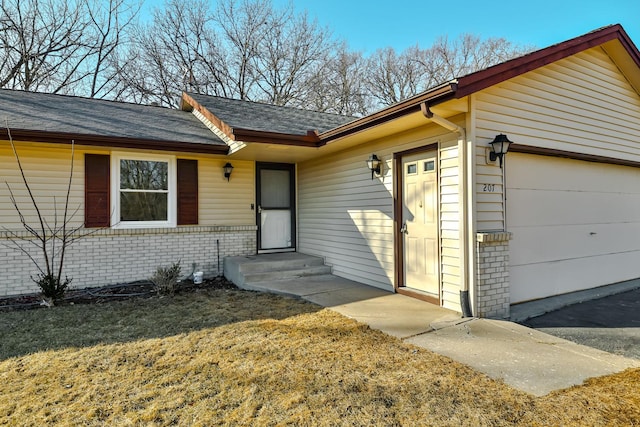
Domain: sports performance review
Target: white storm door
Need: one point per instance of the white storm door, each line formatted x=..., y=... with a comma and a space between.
x=420, y=223
x=275, y=206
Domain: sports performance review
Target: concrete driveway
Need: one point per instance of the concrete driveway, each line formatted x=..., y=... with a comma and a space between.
x=611, y=323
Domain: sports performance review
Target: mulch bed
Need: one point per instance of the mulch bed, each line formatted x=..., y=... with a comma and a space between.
x=139, y=289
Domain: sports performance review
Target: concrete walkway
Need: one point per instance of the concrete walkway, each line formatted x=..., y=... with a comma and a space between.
x=523, y=358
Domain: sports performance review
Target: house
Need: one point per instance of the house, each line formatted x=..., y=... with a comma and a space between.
x=440, y=219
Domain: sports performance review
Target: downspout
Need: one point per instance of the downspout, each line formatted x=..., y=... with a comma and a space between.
x=464, y=207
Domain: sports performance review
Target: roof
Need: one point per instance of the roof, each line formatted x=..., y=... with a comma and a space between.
x=614, y=37
x=244, y=120
x=59, y=118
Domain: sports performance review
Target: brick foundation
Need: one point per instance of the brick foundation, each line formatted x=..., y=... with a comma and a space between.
x=112, y=256
x=492, y=275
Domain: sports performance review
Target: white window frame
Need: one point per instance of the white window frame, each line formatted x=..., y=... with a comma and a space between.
x=115, y=191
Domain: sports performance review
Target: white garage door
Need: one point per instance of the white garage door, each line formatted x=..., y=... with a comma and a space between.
x=575, y=225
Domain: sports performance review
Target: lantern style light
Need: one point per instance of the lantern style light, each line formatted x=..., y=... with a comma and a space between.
x=373, y=163
x=499, y=147
x=228, y=168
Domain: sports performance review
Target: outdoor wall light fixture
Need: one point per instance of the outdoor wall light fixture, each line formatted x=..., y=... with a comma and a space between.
x=499, y=147
x=373, y=163
x=228, y=168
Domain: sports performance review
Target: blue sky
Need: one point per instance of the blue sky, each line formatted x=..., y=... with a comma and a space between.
x=369, y=25
x=375, y=24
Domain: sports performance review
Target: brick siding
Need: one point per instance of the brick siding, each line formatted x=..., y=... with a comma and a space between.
x=111, y=256
x=492, y=275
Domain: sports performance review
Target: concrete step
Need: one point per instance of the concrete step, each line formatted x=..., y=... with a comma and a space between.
x=272, y=267
x=289, y=262
x=285, y=274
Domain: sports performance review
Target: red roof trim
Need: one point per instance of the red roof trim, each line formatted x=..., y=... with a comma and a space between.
x=438, y=94
x=311, y=139
x=188, y=104
x=115, y=142
x=506, y=70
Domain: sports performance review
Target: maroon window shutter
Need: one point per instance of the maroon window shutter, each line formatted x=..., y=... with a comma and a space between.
x=96, y=190
x=187, y=192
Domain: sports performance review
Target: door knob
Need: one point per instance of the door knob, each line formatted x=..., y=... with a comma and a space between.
x=403, y=230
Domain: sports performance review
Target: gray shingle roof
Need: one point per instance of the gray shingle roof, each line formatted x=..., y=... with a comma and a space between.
x=92, y=117
x=268, y=118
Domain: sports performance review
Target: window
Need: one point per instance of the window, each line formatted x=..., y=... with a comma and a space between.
x=106, y=183
x=143, y=191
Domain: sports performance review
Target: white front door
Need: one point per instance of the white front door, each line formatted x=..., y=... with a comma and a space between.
x=276, y=207
x=420, y=223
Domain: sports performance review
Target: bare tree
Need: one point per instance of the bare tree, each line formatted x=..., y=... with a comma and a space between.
x=393, y=77
x=242, y=27
x=339, y=85
x=50, y=237
x=109, y=24
x=292, y=48
x=61, y=46
x=41, y=40
x=245, y=49
x=176, y=52
x=469, y=53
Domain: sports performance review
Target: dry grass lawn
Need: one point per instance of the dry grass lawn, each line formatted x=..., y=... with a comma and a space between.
x=219, y=357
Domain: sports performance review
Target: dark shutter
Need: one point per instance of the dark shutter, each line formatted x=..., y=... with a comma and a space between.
x=96, y=190
x=187, y=192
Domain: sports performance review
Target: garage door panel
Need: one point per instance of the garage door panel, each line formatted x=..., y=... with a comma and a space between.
x=534, y=282
x=528, y=171
x=528, y=207
x=575, y=225
x=549, y=244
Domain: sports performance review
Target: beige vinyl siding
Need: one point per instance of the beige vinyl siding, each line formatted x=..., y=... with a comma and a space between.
x=223, y=202
x=579, y=104
x=347, y=218
x=46, y=166
x=450, y=224
x=489, y=195
x=47, y=171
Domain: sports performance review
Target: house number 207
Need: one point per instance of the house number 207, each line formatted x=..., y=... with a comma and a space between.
x=489, y=187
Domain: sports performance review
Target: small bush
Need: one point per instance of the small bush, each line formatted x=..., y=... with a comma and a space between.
x=165, y=279
x=51, y=287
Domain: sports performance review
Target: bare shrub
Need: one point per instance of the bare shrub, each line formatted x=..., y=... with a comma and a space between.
x=165, y=279
x=50, y=237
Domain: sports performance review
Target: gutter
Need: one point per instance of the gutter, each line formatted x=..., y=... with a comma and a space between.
x=117, y=141
x=436, y=95
x=248, y=135
x=464, y=205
